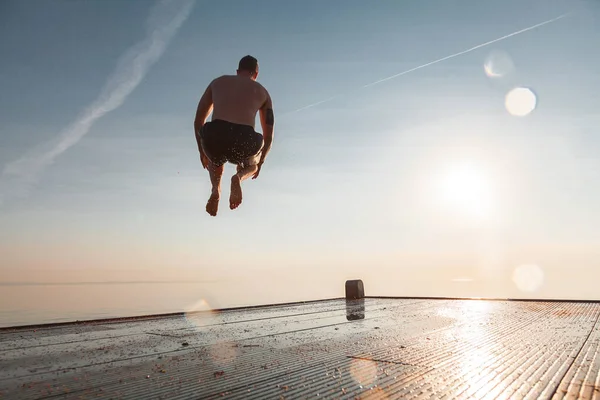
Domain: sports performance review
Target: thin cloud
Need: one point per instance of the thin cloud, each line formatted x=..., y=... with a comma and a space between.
x=165, y=19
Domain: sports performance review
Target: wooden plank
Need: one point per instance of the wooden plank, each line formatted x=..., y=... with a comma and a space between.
x=372, y=348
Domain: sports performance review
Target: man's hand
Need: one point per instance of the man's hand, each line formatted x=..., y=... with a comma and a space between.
x=258, y=170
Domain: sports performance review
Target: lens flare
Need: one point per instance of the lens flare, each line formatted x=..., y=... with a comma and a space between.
x=202, y=317
x=364, y=372
x=498, y=64
x=199, y=314
x=520, y=102
x=223, y=353
x=528, y=277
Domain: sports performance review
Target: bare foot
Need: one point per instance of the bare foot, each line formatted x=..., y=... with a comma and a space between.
x=212, y=205
x=235, y=197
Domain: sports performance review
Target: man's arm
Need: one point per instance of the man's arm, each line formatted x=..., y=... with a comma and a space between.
x=205, y=107
x=267, y=120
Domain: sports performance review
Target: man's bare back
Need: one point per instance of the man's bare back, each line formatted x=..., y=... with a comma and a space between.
x=237, y=99
x=230, y=136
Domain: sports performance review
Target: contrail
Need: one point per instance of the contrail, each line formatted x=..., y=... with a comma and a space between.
x=438, y=60
x=165, y=19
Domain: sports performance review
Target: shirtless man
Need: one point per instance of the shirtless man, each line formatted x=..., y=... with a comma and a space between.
x=230, y=136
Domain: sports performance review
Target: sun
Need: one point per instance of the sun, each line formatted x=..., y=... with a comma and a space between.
x=465, y=188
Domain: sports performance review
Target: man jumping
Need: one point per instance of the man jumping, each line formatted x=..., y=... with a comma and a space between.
x=230, y=135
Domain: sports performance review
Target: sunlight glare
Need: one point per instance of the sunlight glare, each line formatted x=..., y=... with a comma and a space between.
x=475, y=364
x=462, y=280
x=466, y=189
x=520, y=102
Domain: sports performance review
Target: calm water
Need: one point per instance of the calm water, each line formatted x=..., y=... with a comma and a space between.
x=23, y=304
x=36, y=303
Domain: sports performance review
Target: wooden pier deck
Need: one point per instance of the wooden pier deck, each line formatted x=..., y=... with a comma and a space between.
x=379, y=348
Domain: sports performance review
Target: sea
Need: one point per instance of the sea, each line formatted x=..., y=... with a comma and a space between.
x=43, y=303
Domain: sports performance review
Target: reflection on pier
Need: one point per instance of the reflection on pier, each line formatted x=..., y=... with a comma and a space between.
x=355, y=309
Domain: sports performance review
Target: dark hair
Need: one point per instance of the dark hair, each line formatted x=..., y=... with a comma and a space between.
x=248, y=63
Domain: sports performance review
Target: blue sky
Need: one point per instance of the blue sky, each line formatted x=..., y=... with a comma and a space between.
x=349, y=189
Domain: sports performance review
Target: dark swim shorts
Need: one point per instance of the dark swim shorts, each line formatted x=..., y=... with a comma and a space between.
x=225, y=141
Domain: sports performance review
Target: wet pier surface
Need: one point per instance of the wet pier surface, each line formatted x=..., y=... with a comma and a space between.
x=372, y=348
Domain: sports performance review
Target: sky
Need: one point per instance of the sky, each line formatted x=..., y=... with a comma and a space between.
x=424, y=184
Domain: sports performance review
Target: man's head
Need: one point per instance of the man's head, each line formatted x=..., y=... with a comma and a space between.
x=248, y=66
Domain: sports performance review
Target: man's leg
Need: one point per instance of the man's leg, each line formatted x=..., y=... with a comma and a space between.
x=215, y=172
x=243, y=173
